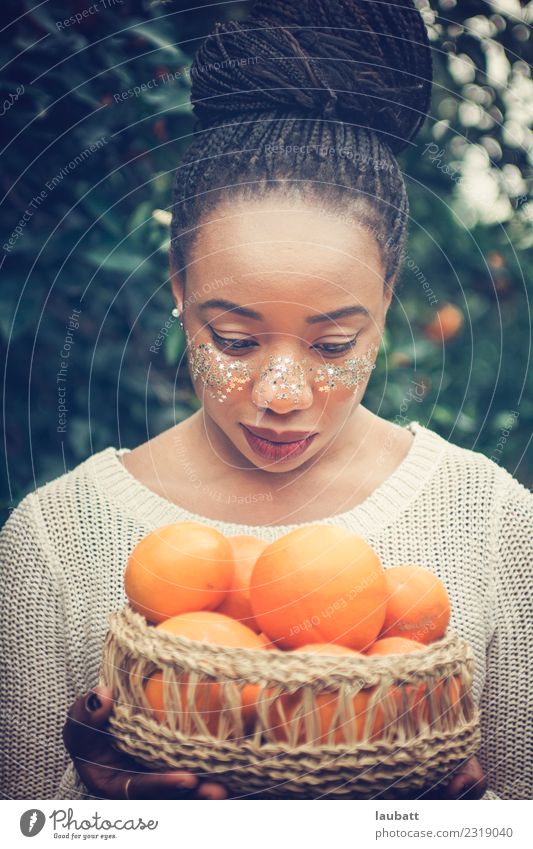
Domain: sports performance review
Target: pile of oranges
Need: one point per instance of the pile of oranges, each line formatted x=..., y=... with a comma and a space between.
x=319, y=589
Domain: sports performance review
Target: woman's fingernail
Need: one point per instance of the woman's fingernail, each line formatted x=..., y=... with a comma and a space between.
x=210, y=792
x=187, y=782
x=92, y=702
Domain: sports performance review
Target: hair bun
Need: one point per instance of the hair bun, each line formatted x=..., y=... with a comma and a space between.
x=361, y=61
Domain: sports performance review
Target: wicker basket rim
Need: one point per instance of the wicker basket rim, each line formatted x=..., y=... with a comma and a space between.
x=126, y=625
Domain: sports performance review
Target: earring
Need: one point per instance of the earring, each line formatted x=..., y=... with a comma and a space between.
x=175, y=314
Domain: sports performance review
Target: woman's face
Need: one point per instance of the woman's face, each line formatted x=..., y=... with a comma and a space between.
x=283, y=309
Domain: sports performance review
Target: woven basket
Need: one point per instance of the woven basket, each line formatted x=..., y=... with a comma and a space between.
x=415, y=747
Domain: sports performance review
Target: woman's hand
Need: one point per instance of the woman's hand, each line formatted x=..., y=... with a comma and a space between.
x=107, y=773
x=468, y=782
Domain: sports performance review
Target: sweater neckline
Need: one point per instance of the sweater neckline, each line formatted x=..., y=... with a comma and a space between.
x=379, y=509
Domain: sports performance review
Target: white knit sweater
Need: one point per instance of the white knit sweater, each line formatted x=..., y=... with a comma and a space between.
x=64, y=549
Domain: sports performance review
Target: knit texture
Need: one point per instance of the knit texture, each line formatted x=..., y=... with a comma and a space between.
x=64, y=549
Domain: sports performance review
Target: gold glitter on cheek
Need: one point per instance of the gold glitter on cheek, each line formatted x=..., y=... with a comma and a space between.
x=350, y=374
x=219, y=374
x=282, y=378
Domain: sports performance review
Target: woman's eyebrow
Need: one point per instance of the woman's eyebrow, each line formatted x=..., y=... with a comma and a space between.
x=229, y=305
x=356, y=309
x=342, y=312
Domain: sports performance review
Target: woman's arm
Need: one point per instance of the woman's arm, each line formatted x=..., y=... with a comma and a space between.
x=506, y=703
x=34, y=691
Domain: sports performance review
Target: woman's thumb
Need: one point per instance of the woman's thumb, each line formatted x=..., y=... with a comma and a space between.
x=97, y=706
x=469, y=783
x=87, y=715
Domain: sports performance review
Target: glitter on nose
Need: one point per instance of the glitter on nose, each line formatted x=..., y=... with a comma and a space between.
x=285, y=377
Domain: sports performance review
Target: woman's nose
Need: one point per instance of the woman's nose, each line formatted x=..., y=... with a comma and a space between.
x=283, y=384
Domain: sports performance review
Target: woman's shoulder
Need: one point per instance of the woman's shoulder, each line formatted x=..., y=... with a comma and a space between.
x=75, y=532
x=52, y=504
x=473, y=474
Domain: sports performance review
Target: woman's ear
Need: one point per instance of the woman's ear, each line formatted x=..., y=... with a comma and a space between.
x=388, y=292
x=177, y=284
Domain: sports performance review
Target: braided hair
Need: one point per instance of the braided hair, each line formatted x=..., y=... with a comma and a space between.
x=312, y=98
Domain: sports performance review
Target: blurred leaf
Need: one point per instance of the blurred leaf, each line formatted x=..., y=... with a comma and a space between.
x=174, y=345
x=158, y=39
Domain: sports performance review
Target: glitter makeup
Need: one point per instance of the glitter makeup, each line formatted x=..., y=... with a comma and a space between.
x=282, y=378
x=218, y=375
x=350, y=374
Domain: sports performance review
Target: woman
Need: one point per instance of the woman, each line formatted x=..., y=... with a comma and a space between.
x=289, y=218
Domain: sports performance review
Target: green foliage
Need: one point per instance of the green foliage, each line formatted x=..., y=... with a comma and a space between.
x=96, y=115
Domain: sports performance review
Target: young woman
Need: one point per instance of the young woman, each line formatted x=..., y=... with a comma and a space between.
x=289, y=218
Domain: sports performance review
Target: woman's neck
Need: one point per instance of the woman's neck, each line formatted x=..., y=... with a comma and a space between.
x=189, y=466
x=362, y=436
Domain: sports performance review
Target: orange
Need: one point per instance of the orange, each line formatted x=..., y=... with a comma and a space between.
x=326, y=648
x=178, y=568
x=326, y=705
x=399, y=645
x=418, y=606
x=215, y=629
x=394, y=645
x=268, y=643
x=246, y=550
x=445, y=324
x=446, y=712
x=319, y=584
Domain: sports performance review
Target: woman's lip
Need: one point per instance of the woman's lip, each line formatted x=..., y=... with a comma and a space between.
x=276, y=450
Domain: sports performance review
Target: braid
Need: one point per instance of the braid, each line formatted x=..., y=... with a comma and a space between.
x=312, y=99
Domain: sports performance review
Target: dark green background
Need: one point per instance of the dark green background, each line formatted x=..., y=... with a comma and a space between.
x=93, y=244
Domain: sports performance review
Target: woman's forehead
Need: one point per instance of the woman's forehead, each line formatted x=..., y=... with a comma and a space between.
x=283, y=221
x=285, y=249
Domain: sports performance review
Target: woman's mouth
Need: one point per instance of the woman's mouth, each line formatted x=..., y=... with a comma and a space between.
x=276, y=450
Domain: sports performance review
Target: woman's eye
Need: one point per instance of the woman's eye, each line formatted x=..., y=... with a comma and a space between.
x=330, y=348
x=340, y=348
x=232, y=344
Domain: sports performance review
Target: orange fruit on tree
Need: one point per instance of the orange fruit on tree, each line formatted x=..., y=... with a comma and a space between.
x=445, y=324
x=246, y=550
x=215, y=629
x=181, y=567
x=317, y=729
x=418, y=606
x=319, y=584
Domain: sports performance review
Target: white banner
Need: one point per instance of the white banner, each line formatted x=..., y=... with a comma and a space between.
x=277, y=825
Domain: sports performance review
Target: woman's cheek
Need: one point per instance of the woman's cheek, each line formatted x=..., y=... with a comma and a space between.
x=219, y=374
x=349, y=374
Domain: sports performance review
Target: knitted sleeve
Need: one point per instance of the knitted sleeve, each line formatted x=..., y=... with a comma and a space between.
x=506, y=703
x=33, y=683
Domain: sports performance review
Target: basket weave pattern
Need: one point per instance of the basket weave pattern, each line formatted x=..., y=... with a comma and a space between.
x=415, y=746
